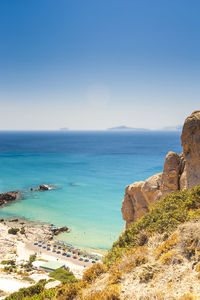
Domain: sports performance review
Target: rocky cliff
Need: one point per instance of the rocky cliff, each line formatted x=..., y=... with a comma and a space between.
x=180, y=171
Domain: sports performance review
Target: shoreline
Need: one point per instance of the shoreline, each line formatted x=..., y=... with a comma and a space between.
x=20, y=245
x=22, y=221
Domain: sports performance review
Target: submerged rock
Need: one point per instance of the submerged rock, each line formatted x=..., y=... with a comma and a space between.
x=180, y=171
x=73, y=184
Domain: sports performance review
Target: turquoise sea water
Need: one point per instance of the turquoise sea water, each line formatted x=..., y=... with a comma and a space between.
x=91, y=170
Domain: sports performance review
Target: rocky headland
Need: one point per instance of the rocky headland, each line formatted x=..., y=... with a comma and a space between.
x=180, y=171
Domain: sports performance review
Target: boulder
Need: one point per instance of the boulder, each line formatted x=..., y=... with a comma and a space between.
x=57, y=230
x=9, y=197
x=180, y=171
x=43, y=187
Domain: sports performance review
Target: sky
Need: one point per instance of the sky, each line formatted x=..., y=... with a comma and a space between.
x=90, y=65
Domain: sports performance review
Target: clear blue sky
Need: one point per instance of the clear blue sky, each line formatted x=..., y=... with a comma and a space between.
x=97, y=64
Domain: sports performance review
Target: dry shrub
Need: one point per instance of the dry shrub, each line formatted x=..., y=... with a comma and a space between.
x=166, y=245
x=111, y=292
x=114, y=275
x=194, y=214
x=134, y=257
x=69, y=291
x=142, y=238
x=197, y=269
x=169, y=284
x=177, y=259
x=191, y=247
x=93, y=296
x=148, y=273
x=188, y=296
x=140, y=259
x=166, y=258
x=189, y=240
x=137, y=260
x=92, y=273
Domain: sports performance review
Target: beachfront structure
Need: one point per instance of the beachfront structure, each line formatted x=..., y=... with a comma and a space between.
x=51, y=266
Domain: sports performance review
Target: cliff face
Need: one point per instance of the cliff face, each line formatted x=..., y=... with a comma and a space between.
x=179, y=172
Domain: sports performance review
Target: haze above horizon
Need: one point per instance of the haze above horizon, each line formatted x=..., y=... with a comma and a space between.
x=93, y=65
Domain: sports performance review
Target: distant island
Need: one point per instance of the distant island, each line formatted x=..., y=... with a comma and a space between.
x=124, y=128
x=64, y=128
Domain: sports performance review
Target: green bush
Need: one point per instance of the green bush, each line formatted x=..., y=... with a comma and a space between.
x=63, y=276
x=10, y=262
x=29, y=279
x=13, y=231
x=164, y=216
x=45, y=295
x=32, y=258
x=28, y=292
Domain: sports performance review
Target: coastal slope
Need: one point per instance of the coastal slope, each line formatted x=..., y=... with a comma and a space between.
x=158, y=254
x=180, y=171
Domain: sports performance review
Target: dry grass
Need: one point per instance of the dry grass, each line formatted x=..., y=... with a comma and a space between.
x=166, y=258
x=111, y=292
x=69, y=291
x=133, y=258
x=92, y=273
x=148, y=273
x=166, y=245
x=189, y=296
x=115, y=276
x=189, y=243
x=197, y=269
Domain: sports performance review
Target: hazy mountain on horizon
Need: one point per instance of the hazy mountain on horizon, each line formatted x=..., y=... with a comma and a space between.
x=64, y=128
x=128, y=128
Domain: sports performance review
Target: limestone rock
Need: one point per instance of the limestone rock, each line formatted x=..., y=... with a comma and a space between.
x=170, y=175
x=179, y=172
x=190, y=139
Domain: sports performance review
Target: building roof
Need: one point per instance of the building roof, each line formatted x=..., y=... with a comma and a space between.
x=38, y=263
x=53, y=265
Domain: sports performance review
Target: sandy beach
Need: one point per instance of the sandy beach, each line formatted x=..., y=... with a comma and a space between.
x=20, y=246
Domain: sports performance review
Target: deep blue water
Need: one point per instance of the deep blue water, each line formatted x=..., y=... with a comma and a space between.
x=91, y=170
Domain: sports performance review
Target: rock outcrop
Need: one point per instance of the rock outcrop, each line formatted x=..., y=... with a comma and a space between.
x=179, y=172
x=44, y=187
x=9, y=197
x=58, y=230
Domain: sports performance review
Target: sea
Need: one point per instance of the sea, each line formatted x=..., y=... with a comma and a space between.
x=90, y=170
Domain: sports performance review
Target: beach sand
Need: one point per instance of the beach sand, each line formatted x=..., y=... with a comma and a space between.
x=21, y=246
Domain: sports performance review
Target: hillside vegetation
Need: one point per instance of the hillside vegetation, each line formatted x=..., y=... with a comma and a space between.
x=158, y=257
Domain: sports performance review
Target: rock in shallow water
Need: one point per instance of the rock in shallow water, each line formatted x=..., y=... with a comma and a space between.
x=44, y=187
x=9, y=197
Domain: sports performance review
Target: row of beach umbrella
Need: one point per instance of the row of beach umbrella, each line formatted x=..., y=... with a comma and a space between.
x=67, y=250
